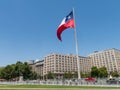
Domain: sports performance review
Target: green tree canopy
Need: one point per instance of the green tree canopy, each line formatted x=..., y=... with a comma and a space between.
x=8, y=72
x=103, y=72
x=114, y=74
x=16, y=70
x=94, y=71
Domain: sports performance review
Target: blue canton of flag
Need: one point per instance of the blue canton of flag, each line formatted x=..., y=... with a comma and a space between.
x=69, y=16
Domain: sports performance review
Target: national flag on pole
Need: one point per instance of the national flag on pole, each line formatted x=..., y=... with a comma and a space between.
x=67, y=22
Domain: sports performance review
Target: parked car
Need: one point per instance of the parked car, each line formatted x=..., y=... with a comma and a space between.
x=113, y=81
x=90, y=79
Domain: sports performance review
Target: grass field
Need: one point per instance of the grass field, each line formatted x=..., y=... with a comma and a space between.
x=54, y=87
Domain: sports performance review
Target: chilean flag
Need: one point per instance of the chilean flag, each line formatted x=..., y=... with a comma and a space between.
x=67, y=22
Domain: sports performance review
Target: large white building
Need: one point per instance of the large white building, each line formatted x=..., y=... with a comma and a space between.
x=60, y=64
x=109, y=58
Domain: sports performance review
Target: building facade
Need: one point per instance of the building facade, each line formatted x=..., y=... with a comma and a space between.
x=32, y=64
x=37, y=66
x=109, y=58
x=60, y=64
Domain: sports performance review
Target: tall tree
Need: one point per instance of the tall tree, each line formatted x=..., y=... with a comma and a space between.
x=103, y=72
x=8, y=72
x=19, y=69
x=27, y=72
x=94, y=71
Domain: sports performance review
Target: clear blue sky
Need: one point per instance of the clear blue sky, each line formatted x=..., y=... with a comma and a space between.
x=28, y=28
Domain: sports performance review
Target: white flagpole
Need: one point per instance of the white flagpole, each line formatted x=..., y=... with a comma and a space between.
x=76, y=41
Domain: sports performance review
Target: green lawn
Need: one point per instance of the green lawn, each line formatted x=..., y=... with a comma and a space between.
x=53, y=87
